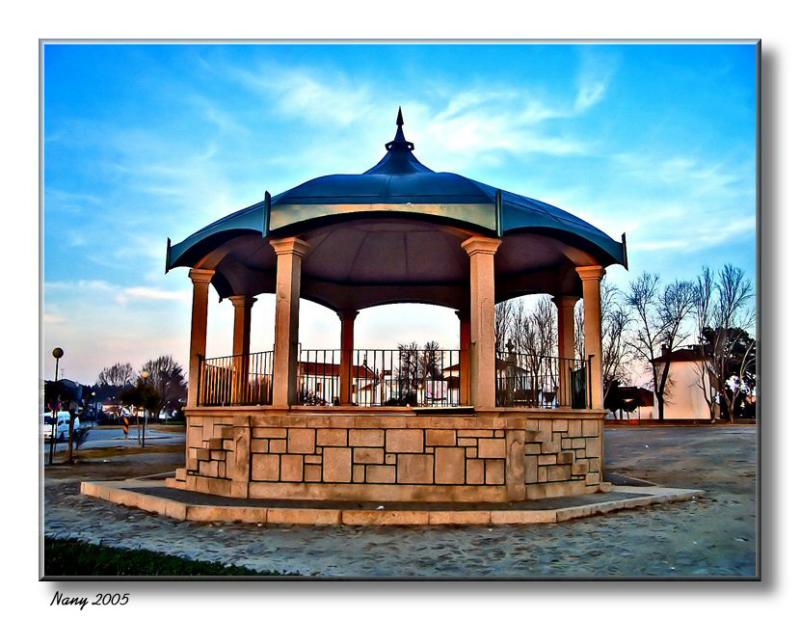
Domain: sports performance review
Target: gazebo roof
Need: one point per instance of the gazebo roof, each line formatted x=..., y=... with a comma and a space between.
x=399, y=184
x=393, y=234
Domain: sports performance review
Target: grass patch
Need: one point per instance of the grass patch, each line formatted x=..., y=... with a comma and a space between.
x=64, y=557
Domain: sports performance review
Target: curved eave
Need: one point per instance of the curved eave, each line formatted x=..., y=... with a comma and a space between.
x=198, y=244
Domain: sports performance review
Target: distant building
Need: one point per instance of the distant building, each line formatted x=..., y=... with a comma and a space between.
x=685, y=395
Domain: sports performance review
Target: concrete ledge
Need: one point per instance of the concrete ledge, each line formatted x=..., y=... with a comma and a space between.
x=139, y=494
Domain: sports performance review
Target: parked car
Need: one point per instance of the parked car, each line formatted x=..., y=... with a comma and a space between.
x=62, y=425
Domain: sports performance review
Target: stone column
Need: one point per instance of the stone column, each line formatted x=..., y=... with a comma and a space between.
x=242, y=305
x=348, y=319
x=565, y=310
x=481, y=252
x=197, y=345
x=464, y=373
x=290, y=253
x=592, y=332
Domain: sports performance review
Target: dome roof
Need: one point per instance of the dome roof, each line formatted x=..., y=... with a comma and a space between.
x=399, y=185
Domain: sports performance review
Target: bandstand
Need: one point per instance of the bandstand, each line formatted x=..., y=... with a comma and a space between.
x=478, y=424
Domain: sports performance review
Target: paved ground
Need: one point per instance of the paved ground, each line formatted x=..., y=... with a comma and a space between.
x=714, y=536
x=113, y=436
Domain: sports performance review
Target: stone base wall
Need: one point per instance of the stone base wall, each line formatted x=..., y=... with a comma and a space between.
x=495, y=456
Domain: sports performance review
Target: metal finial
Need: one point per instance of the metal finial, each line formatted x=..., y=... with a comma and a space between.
x=399, y=116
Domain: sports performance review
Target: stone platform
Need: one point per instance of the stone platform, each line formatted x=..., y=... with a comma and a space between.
x=156, y=497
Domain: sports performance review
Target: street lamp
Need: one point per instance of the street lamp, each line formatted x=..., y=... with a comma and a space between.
x=58, y=353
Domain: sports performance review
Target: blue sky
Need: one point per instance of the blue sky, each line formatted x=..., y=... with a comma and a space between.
x=142, y=142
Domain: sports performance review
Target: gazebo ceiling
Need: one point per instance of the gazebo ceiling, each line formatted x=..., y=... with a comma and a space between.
x=394, y=234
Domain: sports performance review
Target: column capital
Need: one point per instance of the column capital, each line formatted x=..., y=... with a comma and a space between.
x=290, y=245
x=565, y=301
x=591, y=272
x=201, y=276
x=242, y=301
x=347, y=315
x=481, y=245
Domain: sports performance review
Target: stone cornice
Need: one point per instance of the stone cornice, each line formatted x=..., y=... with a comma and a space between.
x=481, y=245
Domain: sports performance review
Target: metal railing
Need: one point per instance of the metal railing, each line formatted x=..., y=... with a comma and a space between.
x=379, y=377
x=542, y=381
x=236, y=380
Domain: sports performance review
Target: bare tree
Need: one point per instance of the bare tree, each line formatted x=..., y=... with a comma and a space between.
x=504, y=316
x=616, y=346
x=659, y=326
x=724, y=315
x=167, y=377
x=118, y=375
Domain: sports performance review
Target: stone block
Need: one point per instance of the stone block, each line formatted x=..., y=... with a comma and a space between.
x=405, y=440
x=532, y=436
x=547, y=459
x=202, y=454
x=574, y=428
x=580, y=468
x=266, y=432
x=332, y=437
x=312, y=473
x=368, y=455
x=218, y=455
x=531, y=469
x=580, y=454
x=440, y=437
x=384, y=517
x=259, y=446
x=591, y=428
x=472, y=453
x=301, y=441
x=533, y=448
x=238, y=467
x=560, y=426
x=218, y=486
x=214, y=443
x=475, y=471
x=592, y=478
x=313, y=459
x=180, y=474
x=277, y=446
x=376, y=474
x=593, y=447
x=366, y=437
x=475, y=432
x=491, y=448
x=578, y=442
x=391, y=459
x=414, y=469
x=551, y=447
x=466, y=441
x=459, y=517
x=499, y=433
x=495, y=471
x=559, y=473
x=227, y=444
x=449, y=466
x=566, y=443
x=303, y=516
x=337, y=464
x=565, y=458
x=266, y=467
x=542, y=474
x=194, y=436
x=226, y=432
x=358, y=474
x=291, y=467
x=594, y=464
x=208, y=468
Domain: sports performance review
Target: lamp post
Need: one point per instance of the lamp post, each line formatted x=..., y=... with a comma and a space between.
x=58, y=353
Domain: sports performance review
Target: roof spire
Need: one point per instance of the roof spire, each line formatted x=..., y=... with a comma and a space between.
x=399, y=142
